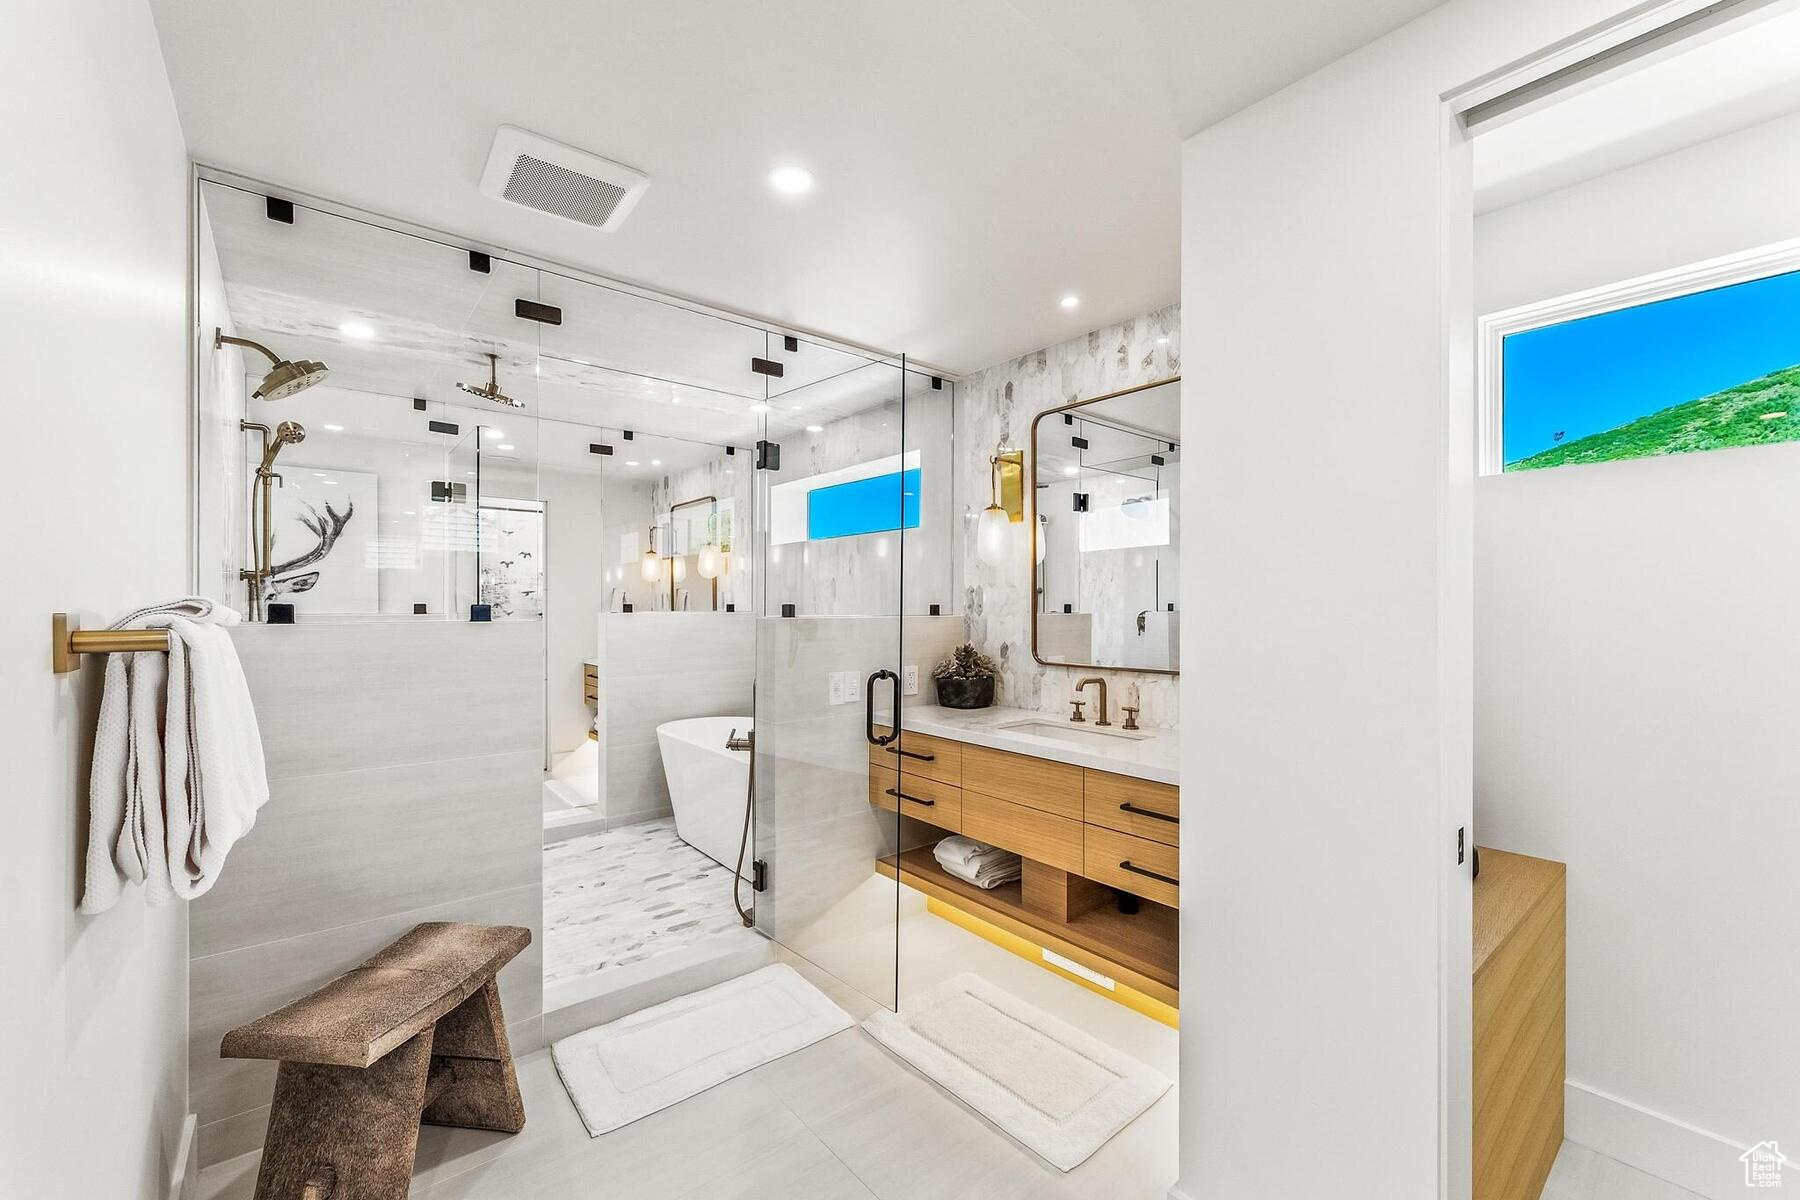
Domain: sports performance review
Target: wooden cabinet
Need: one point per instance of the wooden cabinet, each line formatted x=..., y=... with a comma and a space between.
x=915, y=796
x=1520, y=963
x=1051, y=787
x=1133, y=864
x=920, y=754
x=1135, y=806
x=590, y=683
x=1028, y=832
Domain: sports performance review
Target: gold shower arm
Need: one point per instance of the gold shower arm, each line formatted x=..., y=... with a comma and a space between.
x=68, y=643
x=221, y=338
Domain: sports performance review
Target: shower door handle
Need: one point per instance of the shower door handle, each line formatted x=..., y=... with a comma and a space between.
x=869, y=708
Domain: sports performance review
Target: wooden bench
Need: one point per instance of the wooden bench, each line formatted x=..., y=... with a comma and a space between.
x=414, y=1034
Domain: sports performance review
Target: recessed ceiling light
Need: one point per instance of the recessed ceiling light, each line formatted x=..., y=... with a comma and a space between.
x=759, y=407
x=656, y=462
x=335, y=428
x=815, y=429
x=791, y=181
x=320, y=474
x=504, y=446
x=1162, y=341
x=360, y=331
x=1071, y=470
x=1070, y=301
x=492, y=433
x=631, y=462
x=408, y=513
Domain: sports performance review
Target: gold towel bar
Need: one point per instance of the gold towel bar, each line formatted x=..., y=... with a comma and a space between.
x=68, y=643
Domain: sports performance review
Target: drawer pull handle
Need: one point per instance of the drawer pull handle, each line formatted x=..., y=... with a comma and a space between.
x=1135, y=811
x=903, y=796
x=1126, y=865
x=912, y=754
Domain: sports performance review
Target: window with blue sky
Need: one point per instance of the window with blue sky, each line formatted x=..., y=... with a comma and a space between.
x=1697, y=372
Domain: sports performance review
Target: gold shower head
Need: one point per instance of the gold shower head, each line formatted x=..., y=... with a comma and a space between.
x=284, y=377
x=492, y=390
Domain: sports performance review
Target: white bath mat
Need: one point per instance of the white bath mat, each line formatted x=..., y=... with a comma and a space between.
x=637, y=1065
x=1056, y=1090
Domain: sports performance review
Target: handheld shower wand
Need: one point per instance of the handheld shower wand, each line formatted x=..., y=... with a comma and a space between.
x=256, y=577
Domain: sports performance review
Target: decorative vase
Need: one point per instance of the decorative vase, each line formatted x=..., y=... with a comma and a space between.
x=966, y=693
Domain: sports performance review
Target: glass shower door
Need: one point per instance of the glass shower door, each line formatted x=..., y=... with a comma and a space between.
x=837, y=493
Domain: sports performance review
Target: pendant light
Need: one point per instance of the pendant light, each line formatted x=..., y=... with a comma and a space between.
x=652, y=565
x=710, y=562
x=991, y=532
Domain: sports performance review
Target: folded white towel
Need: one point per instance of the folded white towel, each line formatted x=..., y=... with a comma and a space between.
x=988, y=877
x=968, y=851
x=178, y=771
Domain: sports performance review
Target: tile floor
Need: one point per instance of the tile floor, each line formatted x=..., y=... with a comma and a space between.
x=845, y=1120
x=595, y=910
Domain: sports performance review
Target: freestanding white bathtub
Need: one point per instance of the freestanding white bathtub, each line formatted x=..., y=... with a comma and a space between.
x=706, y=783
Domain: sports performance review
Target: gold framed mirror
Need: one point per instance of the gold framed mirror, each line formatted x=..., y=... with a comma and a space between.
x=1105, y=531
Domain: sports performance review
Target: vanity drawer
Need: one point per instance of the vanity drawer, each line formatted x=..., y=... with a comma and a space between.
x=920, y=754
x=1051, y=787
x=1134, y=806
x=935, y=803
x=590, y=683
x=1108, y=853
x=1025, y=831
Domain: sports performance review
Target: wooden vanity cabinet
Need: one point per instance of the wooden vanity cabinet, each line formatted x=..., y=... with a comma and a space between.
x=1081, y=834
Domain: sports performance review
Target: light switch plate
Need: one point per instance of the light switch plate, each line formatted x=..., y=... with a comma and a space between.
x=853, y=686
x=836, y=686
x=911, y=673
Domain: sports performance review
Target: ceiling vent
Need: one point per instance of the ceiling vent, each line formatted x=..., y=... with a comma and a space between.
x=535, y=172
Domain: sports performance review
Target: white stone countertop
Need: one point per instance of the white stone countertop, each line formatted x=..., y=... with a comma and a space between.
x=1152, y=754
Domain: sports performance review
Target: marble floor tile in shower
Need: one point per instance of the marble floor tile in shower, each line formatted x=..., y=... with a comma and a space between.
x=630, y=894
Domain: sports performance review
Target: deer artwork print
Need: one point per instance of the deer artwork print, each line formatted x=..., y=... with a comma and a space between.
x=327, y=528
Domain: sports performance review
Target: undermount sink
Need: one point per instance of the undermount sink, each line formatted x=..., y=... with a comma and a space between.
x=1065, y=731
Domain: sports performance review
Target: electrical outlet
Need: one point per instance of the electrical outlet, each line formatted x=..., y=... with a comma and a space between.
x=853, y=685
x=911, y=673
x=835, y=694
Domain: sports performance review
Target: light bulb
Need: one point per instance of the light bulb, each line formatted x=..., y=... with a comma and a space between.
x=991, y=535
x=710, y=562
x=652, y=567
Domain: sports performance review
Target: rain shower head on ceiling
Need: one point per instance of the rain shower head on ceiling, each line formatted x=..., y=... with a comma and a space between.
x=492, y=390
x=284, y=377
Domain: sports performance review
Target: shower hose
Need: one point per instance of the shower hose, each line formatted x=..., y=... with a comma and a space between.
x=747, y=916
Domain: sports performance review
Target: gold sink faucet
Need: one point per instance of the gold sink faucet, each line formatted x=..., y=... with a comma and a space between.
x=1101, y=716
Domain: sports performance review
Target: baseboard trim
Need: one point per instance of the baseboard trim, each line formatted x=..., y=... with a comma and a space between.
x=184, y=1172
x=1653, y=1142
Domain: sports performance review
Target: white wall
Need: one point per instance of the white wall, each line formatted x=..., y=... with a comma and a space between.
x=93, y=287
x=1326, y=242
x=1635, y=697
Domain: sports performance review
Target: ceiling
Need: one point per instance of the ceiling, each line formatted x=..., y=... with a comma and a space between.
x=1705, y=89
x=976, y=159
x=428, y=322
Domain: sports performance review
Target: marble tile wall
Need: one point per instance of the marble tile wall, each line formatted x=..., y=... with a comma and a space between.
x=996, y=406
x=657, y=667
x=405, y=761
